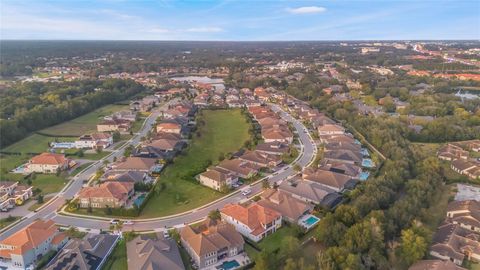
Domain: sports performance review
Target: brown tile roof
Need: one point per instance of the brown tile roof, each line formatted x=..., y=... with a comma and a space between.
x=211, y=236
x=168, y=125
x=49, y=158
x=111, y=189
x=435, y=265
x=29, y=237
x=253, y=215
x=328, y=178
x=453, y=241
x=284, y=203
x=135, y=163
x=216, y=174
x=468, y=212
x=239, y=167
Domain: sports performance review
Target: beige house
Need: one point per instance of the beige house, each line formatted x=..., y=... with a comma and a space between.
x=217, y=177
x=211, y=242
x=47, y=163
x=465, y=213
x=25, y=247
x=112, y=194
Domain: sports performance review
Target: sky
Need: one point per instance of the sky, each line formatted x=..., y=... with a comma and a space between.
x=246, y=20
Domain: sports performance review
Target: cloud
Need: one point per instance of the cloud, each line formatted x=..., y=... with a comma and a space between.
x=158, y=30
x=204, y=30
x=306, y=10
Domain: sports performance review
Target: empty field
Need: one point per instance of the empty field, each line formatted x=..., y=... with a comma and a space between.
x=83, y=124
x=224, y=131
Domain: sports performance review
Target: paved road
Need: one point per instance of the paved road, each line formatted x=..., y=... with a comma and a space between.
x=76, y=183
x=307, y=155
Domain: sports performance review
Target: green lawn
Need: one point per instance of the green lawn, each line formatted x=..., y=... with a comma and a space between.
x=48, y=183
x=118, y=258
x=4, y=222
x=273, y=242
x=83, y=124
x=224, y=131
x=80, y=168
x=35, y=143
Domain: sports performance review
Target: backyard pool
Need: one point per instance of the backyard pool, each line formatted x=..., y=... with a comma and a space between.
x=364, y=175
x=139, y=200
x=308, y=221
x=367, y=163
x=227, y=265
x=364, y=152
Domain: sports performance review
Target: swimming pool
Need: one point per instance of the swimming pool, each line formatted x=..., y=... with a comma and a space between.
x=368, y=163
x=139, y=200
x=309, y=221
x=227, y=265
x=364, y=175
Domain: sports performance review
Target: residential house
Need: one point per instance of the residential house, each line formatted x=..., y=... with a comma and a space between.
x=349, y=169
x=47, y=163
x=277, y=134
x=470, y=168
x=239, y=168
x=123, y=115
x=330, y=129
x=94, y=141
x=211, y=242
x=169, y=127
x=146, y=252
x=119, y=125
x=25, y=247
x=253, y=221
x=89, y=253
x=465, y=213
x=455, y=243
x=291, y=208
x=261, y=159
x=344, y=155
x=435, y=265
x=273, y=148
x=135, y=164
x=451, y=152
x=311, y=192
x=217, y=178
x=112, y=194
x=127, y=176
x=329, y=179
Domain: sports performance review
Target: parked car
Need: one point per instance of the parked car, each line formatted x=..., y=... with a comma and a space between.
x=128, y=222
x=166, y=235
x=114, y=221
x=247, y=191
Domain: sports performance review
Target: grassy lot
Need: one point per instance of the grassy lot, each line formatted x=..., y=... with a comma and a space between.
x=224, y=131
x=80, y=168
x=48, y=183
x=35, y=143
x=118, y=258
x=85, y=123
x=4, y=222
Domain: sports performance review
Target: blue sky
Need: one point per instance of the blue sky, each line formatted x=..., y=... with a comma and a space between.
x=240, y=20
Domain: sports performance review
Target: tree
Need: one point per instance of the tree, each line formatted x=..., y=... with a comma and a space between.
x=297, y=167
x=214, y=215
x=116, y=136
x=290, y=246
x=413, y=246
x=263, y=261
x=290, y=264
x=40, y=199
x=265, y=184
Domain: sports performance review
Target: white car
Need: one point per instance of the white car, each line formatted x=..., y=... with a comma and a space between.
x=246, y=192
x=166, y=235
x=128, y=222
x=114, y=221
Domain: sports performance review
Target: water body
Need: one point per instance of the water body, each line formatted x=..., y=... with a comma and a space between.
x=217, y=83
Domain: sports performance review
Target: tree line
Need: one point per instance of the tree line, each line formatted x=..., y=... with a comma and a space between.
x=29, y=107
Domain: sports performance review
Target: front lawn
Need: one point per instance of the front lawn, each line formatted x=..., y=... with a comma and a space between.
x=35, y=143
x=85, y=123
x=224, y=131
x=4, y=222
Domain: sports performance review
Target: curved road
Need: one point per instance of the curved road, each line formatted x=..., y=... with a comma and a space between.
x=306, y=156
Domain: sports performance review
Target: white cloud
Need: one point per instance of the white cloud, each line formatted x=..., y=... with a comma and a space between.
x=306, y=10
x=204, y=29
x=158, y=30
